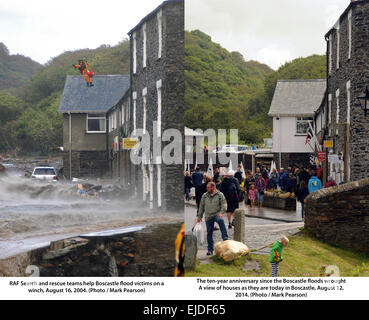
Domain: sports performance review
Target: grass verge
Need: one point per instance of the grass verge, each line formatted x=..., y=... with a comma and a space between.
x=304, y=257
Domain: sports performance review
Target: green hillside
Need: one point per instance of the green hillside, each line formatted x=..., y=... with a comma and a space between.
x=36, y=126
x=223, y=91
x=51, y=78
x=313, y=67
x=15, y=70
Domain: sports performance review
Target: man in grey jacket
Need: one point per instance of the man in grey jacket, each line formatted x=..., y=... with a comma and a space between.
x=213, y=205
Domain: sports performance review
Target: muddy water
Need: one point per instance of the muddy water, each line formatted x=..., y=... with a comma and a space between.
x=34, y=212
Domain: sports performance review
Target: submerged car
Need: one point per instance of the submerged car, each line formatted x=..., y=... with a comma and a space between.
x=44, y=173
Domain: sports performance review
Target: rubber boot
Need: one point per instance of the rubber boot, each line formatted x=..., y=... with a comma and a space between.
x=91, y=84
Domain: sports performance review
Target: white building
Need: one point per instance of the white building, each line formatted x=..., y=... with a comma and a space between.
x=293, y=106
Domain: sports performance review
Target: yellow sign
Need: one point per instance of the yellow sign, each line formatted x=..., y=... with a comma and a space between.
x=129, y=143
x=328, y=144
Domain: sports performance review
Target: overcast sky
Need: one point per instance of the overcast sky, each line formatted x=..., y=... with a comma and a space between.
x=42, y=29
x=269, y=31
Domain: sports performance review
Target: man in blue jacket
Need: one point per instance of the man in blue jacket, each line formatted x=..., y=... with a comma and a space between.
x=283, y=177
x=197, y=180
x=314, y=183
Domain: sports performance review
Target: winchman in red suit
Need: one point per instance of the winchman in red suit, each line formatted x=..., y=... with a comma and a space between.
x=83, y=68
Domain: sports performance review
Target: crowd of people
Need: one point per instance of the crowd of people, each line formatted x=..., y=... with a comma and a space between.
x=219, y=195
x=250, y=186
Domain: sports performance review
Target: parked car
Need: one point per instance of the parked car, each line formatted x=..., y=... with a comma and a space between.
x=44, y=173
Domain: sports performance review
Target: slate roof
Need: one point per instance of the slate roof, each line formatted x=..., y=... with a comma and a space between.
x=147, y=17
x=297, y=97
x=107, y=91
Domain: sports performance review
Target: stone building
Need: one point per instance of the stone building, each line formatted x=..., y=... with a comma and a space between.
x=118, y=105
x=85, y=122
x=118, y=128
x=157, y=95
x=292, y=108
x=347, y=78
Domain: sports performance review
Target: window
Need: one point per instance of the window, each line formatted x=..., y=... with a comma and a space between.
x=96, y=123
x=134, y=53
x=349, y=33
x=160, y=31
x=144, y=45
x=302, y=125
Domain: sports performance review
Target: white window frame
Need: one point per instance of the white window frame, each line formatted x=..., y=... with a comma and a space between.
x=338, y=45
x=128, y=110
x=91, y=116
x=329, y=111
x=123, y=109
x=144, y=46
x=116, y=144
x=113, y=120
x=134, y=53
x=348, y=93
x=337, y=109
x=160, y=33
x=330, y=53
x=159, y=84
x=158, y=176
x=304, y=120
x=144, y=107
x=134, y=97
x=349, y=22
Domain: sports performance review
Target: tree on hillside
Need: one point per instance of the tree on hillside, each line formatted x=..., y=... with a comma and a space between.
x=312, y=67
x=10, y=108
x=220, y=87
x=15, y=70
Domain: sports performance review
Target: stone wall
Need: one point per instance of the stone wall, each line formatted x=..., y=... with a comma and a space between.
x=146, y=253
x=340, y=215
x=169, y=68
x=86, y=164
x=289, y=159
x=355, y=70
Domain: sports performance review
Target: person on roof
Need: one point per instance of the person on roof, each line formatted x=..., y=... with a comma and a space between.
x=83, y=68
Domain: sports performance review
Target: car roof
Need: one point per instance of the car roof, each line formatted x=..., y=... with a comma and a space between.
x=44, y=168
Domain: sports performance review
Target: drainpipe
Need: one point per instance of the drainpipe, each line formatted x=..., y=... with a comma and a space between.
x=280, y=142
x=70, y=146
x=107, y=124
x=326, y=129
x=119, y=137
